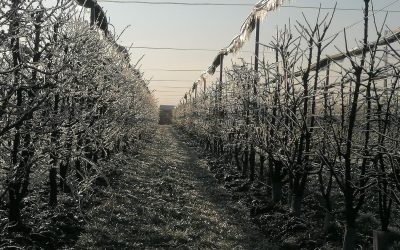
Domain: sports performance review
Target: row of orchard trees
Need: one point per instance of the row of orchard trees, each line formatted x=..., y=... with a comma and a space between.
x=333, y=121
x=69, y=98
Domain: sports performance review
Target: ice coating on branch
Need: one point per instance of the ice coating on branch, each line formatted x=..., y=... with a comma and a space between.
x=259, y=11
x=98, y=17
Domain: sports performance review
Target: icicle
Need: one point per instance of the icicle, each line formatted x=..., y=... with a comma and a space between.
x=259, y=11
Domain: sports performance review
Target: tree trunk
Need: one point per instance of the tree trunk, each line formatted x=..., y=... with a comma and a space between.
x=350, y=238
x=295, y=205
x=221, y=146
x=328, y=222
x=27, y=154
x=78, y=164
x=252, y=162
x=78, y=170
x=275, y=176
x=215, y=147
x=66, y=163
x=268, y=179
x=14, y=210
x=53, y=187
x=262, y=161
x=276, y=191
x=63, y=176
x=14, y=185
x=245, y=162
x=384, y=239
x=237, y=152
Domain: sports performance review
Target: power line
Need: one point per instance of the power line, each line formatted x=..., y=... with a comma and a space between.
x=172, y=87
x=170, y=48
x=328, y=8
x=178, y=49
x=173, y=80
x=230, y=4
x=176, y=70
x=177, y=3
x=358, y=22
x=164, y=91
x=177, y=95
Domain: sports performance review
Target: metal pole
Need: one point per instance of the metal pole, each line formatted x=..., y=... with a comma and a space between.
x=221, y=67
x=257, y=49
x=385, y=59
x=250, y=153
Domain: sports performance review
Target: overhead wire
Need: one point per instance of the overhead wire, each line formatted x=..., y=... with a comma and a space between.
x=178, y=49
x=173, y=80
x=232, y=4
x=173, y=87
x=176, y=3
x=170, y=48
x=358, y=22
x=228, y=4
x=165, y=91
x=174, y=70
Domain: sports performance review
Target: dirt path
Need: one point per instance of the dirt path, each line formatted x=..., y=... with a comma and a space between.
x=167, y=199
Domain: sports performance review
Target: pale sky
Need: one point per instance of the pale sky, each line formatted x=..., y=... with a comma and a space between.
x=212, y=28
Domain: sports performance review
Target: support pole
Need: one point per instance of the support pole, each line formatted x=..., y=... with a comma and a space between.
x=257, y=47
x=221, y=67
x=251, y=156
x=219, y=143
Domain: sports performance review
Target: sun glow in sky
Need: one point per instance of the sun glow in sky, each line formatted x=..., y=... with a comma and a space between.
x=172, y=72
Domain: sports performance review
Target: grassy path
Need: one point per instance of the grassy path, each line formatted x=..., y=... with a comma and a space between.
x=165, y=198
